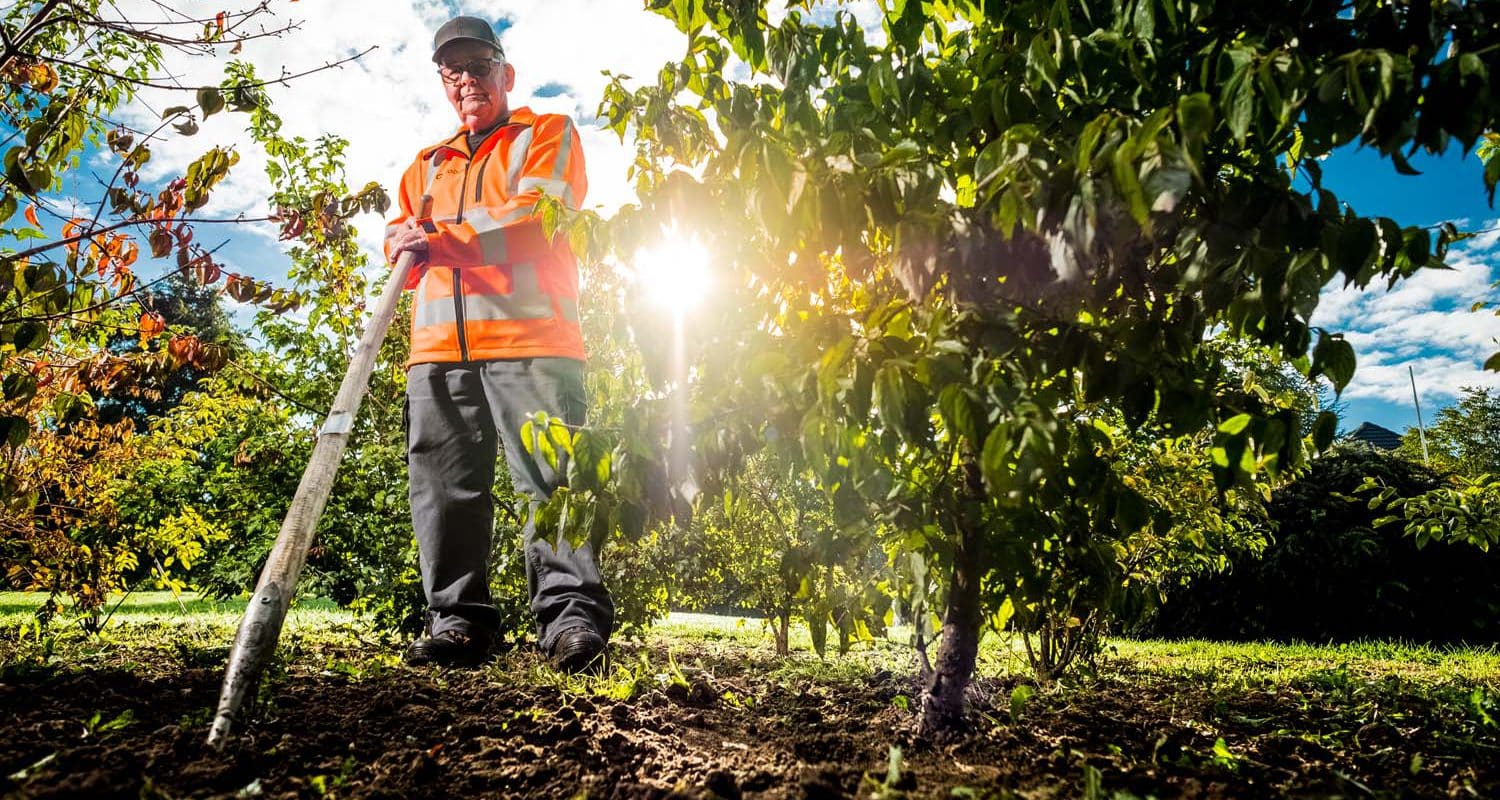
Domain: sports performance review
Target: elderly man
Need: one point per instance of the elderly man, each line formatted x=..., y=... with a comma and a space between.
x=494, y=338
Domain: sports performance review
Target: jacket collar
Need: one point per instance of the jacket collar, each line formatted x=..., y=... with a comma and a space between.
x=458, y=143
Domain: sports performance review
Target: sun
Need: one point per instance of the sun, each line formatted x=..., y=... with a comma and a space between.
x=674, y=274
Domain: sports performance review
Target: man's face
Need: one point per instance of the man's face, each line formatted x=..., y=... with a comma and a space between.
x=480, y=102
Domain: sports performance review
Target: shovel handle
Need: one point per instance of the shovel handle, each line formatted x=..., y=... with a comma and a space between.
x=260, y=628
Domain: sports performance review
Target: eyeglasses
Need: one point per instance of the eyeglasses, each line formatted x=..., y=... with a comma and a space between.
x=479, y=68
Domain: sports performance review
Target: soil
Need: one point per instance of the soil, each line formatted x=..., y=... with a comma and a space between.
x=732, y=726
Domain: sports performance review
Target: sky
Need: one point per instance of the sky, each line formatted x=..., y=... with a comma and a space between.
x=389, y=104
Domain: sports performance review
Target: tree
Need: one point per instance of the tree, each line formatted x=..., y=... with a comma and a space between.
x=1465, y=437
x=947, y=249
x=65, y=68
x=182, y=305
x=769, y=543
x=72, y=539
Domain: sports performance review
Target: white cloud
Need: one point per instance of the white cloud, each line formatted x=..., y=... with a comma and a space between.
x=1424, y=323
x=389, y=103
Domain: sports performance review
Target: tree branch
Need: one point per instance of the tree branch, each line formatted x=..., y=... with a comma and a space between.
x=13, y=46
x=272, y=388
x=116, y=226
x=99, y=212
x=157, y=84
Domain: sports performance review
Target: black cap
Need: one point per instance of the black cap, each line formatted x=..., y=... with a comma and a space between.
x=460, y=28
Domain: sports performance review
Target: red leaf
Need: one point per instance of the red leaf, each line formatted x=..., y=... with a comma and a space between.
x=31, y=215
x=70, y=229
x=219, y=21
x=152, y=325
x=184, y=349
x=161, y=242
x=122, y=279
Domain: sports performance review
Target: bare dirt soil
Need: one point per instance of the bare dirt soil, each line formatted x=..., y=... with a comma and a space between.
x=721, y=723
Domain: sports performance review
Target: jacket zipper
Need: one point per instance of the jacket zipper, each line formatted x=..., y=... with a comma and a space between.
x=458, y=281
x=479, y=178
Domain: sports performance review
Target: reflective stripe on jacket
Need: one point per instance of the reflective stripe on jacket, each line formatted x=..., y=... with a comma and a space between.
x=494, y=286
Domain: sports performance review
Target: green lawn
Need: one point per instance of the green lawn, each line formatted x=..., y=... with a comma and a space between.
x=158, y=617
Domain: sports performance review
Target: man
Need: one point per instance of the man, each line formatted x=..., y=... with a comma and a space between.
x=494, y=338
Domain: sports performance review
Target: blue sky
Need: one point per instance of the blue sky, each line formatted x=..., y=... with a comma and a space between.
x=1426, y=325
x=389, y=104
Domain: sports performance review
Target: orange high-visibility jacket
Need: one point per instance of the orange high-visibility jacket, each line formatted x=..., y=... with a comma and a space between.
x=494, y=286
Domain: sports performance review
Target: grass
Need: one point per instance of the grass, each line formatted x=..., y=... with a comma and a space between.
x=198, y=630
x=164, y=608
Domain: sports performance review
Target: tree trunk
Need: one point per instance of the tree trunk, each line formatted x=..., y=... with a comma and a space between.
x=943, y=698
x=782, y=629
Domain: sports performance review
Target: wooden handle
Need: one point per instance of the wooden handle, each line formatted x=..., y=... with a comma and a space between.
x=261, y=626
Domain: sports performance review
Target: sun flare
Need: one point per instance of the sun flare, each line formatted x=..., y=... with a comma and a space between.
x=673, y=274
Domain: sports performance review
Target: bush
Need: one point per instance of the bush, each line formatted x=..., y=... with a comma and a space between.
x=1331, y=574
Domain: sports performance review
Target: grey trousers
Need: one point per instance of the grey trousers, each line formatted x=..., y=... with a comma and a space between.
x=456, y=415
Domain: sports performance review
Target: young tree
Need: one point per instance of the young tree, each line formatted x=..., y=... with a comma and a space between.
x=770, y=543
x=945, y=249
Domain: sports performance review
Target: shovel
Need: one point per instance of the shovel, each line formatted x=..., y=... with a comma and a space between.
x=261, y=626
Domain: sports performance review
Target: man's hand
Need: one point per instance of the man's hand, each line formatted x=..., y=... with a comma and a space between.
x=409, y=238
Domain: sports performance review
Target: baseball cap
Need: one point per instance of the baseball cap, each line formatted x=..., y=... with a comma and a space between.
x=463, y=27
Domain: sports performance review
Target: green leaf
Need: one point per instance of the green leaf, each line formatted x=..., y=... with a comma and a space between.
x=994, y=460
x=882, y=83
x=1324, y=429
x=1403, y=166
x=1019, y=696
x=1128, y=181
x=891, y=396
x=1238, y=95
x=991, y=159
x=1334, y=357
x=38, y=177
x=958, y=412
x=528, y=436
x=1040, y=61
x=14, y=430
x=1493, y=363
x=1356, y=246
x=210, y=100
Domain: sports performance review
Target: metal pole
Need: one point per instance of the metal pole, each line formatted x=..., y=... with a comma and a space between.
x=261, y=626
x=1421, y=432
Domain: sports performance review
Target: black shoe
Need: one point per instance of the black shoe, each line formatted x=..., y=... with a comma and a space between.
x=449, y=649
x=577, y=650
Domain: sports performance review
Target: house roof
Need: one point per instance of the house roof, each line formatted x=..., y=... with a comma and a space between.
x=1376, y=436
